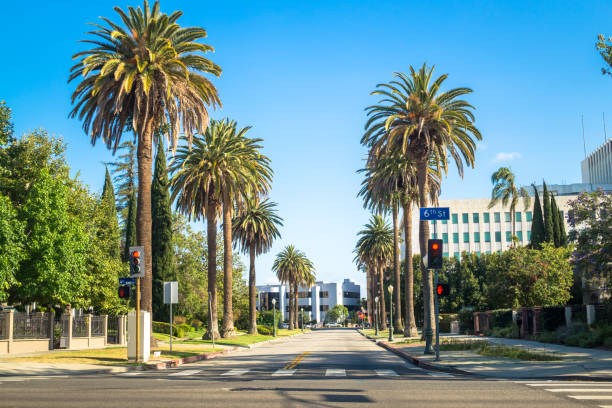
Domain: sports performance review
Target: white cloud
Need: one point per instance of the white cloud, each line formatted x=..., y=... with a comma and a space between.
x=503, y=156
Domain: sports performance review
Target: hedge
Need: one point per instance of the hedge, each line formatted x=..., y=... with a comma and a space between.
x=500, y=318
x=265, y=330
x=162, y=327
x=552, y=317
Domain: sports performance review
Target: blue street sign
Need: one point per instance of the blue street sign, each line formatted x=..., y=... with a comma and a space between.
x=435, y=213
x=127, y=281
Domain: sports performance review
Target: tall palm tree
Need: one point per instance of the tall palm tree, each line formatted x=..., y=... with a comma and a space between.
x=375, y=247
x=292, y=267
x=144, y=73
x=218, y=172
x=415, y=118
x=505, y=190
x=254, y=229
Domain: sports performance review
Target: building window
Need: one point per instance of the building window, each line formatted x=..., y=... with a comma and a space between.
x=455, y=218
x=519, y=234
x=445, y=238
x=476, y=218
x=445, y=254
x=457, y=255
x=498, y=236
x=466, y=237
x=351, y=295
x=528, y=216
x=433, y=222
x=477, y=237
x=508, y=236
x=304, y=294
x=518, y=216
x=465, y=217
x=488, y=252
x=323, y=294
x=496, y=217
x=477, y=253
x=434, y=235
x=487, y=236
x=508, y=217
x=455, y=237
x=323, y=308
x=529, y=236
x=485, y=217
x=444, y=222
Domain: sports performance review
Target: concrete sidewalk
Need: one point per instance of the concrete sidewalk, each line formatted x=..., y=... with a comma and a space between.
x=575, y=363
x=58, y=369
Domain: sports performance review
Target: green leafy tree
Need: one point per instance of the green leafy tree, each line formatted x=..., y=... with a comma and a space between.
x=337, y=314
x=548, y=217
x=125, y=179
x=505, y=190
x=147, y=72
x=217, y=173
x=254, y=230
x=590, y=219
x=415, y=118
x=562, y=233
x=604, y=46
x=130, y=228
x=537, y=223
x=163, y=250
x=555, y=214
x=11, y=246
x=6, y=126
x=111, y=228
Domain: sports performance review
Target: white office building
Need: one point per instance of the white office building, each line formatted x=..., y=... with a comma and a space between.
x=315, y=301
x=597, y=167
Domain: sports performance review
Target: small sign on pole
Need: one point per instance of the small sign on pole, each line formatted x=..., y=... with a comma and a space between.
x=434, y=213
x=127, y=281
x=170, y=297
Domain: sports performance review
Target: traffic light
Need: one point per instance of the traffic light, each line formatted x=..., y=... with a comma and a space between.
x=442, y=290
x=137, y=267
x=125, y=292
x=434, y=254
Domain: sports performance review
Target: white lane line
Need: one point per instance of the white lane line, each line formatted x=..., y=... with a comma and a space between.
x=131, y=373
x=439, y=374
x=184, y=373
x=283, y=372
x=237, y=371
x=386, y=373
x=579, y=389
x=580, y=384
x=335, y=372
x=591, y=397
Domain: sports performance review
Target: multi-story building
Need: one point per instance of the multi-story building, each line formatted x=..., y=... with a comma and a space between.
x=315, y=301
x=597, y=167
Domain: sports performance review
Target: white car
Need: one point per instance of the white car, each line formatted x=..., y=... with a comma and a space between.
x=333, y=325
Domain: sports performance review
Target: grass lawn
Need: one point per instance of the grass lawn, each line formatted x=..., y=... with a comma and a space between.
x=243, y=340
x=382, y=334
x=485, y=348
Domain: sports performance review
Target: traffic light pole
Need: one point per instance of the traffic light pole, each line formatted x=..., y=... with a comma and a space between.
x=437, y=312
x=137, y=320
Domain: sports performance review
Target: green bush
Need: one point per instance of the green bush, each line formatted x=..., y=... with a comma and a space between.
x=265, y=330
x=164, y=328
x=547, y=337
x=466, y=320
x=186, y=328
x=500, y=318
x=510, y=332
x=552, y=317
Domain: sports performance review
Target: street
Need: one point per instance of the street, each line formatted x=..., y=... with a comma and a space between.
x=324, y=368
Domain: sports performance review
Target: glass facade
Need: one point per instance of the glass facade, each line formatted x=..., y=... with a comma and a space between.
x=476, y=218
x=455, y=218
x=498, y=236
x=508, y=216
x=518, y=216
x=485, y=217
x=444, y=240
x=496, y=217
x=487, y=236
x=477, y=237
x=466, y=237
x=465, y=217
x=455, y=237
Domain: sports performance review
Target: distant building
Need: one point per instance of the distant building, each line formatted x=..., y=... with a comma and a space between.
x=315, y=301
x=597, y=167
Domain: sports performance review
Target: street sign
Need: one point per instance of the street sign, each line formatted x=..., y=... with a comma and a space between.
x=435, y=213
x=170, y=292
x=127, y=281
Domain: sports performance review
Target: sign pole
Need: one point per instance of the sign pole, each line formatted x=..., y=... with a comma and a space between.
x=171, y=327
x=137, y=319
x=437, y=308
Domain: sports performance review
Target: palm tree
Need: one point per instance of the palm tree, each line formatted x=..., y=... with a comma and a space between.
x=254, y=229
x=375, y=248
x=142, y=75
x=219, y=172
x=505, y=190
x=424, y=124
x=292, y=267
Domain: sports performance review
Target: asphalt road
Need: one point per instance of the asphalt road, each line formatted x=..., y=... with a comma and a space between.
x=325, y=368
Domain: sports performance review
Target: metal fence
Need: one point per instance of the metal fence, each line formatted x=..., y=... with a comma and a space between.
x=3, y=333
x=35, y=326
x=80, y=326
x=97, y=326
x=112, y=330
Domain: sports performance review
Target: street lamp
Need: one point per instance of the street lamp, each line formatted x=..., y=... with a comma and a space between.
x=274, y=315
x=390, y=312
x=376, y=314
x=302, y=313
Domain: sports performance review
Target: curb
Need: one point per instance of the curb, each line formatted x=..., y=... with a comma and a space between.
x=423, y=364
x=254, y=345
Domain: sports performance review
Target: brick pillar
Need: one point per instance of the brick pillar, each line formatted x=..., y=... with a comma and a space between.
x=68, y=317
x=105, y=331
x=121, y=329
x=9, y=328
x=476, y=328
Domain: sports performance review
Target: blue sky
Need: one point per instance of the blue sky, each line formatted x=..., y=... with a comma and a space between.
x=301, y=73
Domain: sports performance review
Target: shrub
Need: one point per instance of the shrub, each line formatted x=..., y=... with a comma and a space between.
x=466, y=320
x=265, y=330
x=547, y=337
x=552, y=317
x=186, y=328
x=500, y=318
x=162, y=327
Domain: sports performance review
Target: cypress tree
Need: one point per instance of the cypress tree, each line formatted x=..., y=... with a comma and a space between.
x=562, y=233
x=130, y=226
x=555, y=220
x=111, y=229
x=163, y=253
x=548, y=218
x=537, y=222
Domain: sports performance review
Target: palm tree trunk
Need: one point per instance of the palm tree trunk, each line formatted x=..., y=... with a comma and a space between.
x=381, y=301
x=143, y=213
x=370, y=294
x=211, y=235
x=410, y=330
x=228, y=312
x=295, y=307
x=290, y=299
x=252, y=293
x=397, y=293
x=428, y=316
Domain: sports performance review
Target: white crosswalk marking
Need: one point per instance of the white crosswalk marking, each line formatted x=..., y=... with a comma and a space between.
x=439, y=374
x=386, y=373
x=591, y=397
x=578, y=390
x=236, y=371
x=283, y=372
x=184, y=373
x=131, y=373
x=335, y=372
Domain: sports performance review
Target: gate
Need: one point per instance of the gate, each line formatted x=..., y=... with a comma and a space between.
x=112, y=330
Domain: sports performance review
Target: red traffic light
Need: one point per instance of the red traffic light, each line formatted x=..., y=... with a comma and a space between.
x=124, y=292
x=442, y=290
x=136, y=254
